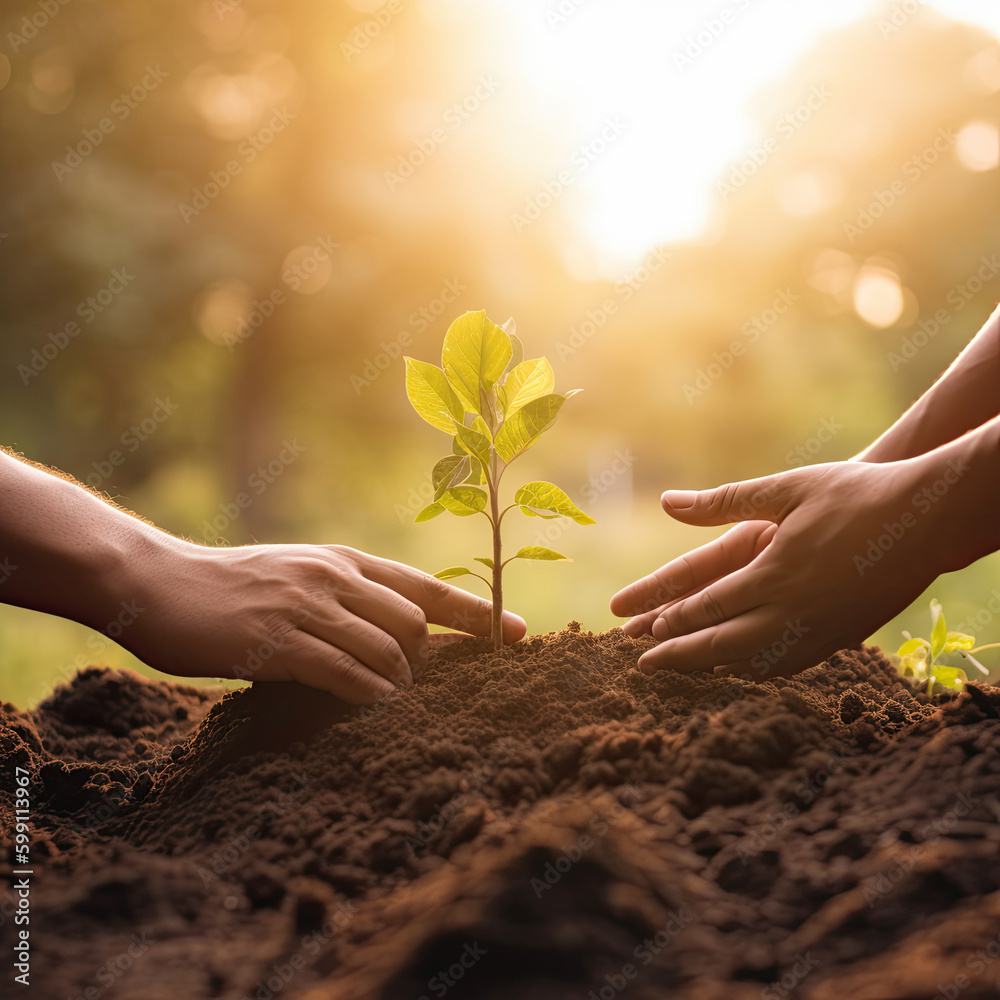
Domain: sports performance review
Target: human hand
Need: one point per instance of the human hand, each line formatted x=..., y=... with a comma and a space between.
x=648, y=598
x=325, y=615
x=849, y=545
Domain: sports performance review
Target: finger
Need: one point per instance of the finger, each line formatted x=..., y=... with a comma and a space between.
x=733, y=641
x=315, y=662
x=694, y=570
x=442, y=603
x=393, y=614
x=768, y=498
x=643, y=624
x=727, y=598
x=360, y=639
x=777, y=660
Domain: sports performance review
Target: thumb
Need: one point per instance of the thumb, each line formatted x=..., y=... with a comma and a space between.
x=769, y=498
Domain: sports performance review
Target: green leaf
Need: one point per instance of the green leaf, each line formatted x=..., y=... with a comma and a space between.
x=476, y=476
x=913, y=658
x=450, y=471
x=539, y=552
x=484, y=561
x=546, y=496
x=947, y=679
x=452, y=571
x=475, y=353
x=939, y=632
x=474, y=442
x=528, y=512
x=521, y=428
x=431, y=510
x=463, y=500
x=527, y=381
x=516, y=347
x=432, y=397
x=958, y=640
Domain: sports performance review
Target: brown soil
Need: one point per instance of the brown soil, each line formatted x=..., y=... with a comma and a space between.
x=540, y=824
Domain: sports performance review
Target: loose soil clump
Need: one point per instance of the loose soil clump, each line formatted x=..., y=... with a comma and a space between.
x=542, y=823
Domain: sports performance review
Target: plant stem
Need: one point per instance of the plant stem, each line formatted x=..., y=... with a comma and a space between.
x=494, y=484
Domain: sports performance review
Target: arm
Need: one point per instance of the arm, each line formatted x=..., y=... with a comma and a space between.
x=325, y=615
x=854, y=543
x=964, y=397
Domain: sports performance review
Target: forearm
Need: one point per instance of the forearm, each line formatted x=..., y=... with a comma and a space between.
x=966, y=396
x=64, y=550
x=962, y=494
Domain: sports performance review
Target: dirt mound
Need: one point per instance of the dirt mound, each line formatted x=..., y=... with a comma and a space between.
x=543, y=822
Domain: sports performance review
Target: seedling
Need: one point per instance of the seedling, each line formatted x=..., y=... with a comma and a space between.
x=918, y=657
x=494, y=405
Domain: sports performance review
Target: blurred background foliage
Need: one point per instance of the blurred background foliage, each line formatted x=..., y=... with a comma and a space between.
x=291, y=154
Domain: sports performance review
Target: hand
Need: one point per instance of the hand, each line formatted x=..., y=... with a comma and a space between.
x=325, y=615
x=649, y=597
x=847, y=547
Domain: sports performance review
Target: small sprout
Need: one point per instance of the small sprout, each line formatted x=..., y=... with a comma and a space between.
x=494, y=405
x=918, y=658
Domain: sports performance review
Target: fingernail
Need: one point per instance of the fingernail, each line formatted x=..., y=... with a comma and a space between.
x=660, y=629
x=680, y=499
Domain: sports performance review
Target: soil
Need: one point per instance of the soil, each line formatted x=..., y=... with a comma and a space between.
x=539, y=824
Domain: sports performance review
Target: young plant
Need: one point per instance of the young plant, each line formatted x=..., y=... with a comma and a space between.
x=918, y=657
x=494, y=405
